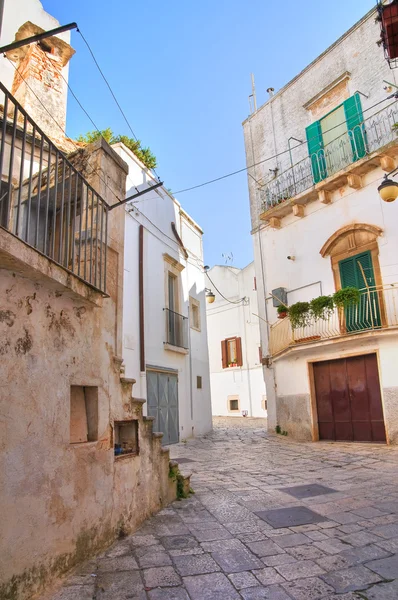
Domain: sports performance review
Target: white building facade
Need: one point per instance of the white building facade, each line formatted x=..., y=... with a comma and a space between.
x=319, y=225
x=164, y=319
x=236, y=374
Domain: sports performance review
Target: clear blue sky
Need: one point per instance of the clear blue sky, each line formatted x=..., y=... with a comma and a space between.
x=181, y=71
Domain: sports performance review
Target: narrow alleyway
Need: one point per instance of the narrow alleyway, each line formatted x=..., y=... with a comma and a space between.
x=248, y=531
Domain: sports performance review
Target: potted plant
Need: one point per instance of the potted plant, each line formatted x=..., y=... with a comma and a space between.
x=299, y=314
x=322, y=307
x=282, y=311
x=345, y=297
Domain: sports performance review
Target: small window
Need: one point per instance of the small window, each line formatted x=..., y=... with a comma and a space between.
x=83, y=414
x=231, y=352
x=255, y=284
x=194, y=307
x=199, y=382
x=264, y=403
x=233, y=404
x=126, y=438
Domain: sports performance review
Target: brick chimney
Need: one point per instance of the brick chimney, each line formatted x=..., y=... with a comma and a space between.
x=39, y=77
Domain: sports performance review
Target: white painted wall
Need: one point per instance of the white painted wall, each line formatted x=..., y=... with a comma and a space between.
x=156, y=211
x=226, y=320
x=266, y=133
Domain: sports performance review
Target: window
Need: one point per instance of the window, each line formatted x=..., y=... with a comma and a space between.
x=231, y=352
x=233, y=404
x=337, y=139
x=83, y=414
x=264, y=403
x=126, y=438
x=194, y=307
x=255, y=284
x=199, y=382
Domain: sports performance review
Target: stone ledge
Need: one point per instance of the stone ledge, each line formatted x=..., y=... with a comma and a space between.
x=177, y=349
x=19, y=257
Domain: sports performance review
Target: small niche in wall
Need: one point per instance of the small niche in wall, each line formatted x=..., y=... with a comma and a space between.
x=233, y=404
x=83, y=414
x=199, y=382
x=126, y=438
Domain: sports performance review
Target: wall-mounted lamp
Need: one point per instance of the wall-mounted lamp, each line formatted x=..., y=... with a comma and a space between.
x=388, y=190
x=291, y=258
x=210, y=296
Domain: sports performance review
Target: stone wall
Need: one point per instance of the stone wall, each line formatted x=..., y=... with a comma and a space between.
x=62, y=502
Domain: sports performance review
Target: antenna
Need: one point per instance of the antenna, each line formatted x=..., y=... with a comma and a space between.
x=254, y=93
x=229, y=258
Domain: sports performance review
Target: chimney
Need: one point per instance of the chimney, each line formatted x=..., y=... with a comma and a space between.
x=38, y=81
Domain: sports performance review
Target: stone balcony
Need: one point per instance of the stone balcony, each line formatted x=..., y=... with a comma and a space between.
x=372, y=144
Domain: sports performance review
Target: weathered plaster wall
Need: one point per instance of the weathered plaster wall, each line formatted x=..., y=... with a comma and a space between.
x=226, y=320
x=63, y=502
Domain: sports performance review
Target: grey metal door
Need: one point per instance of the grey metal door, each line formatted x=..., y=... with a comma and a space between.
x=162, y=398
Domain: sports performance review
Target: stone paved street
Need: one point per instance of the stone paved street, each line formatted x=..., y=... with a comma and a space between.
x=270, y=519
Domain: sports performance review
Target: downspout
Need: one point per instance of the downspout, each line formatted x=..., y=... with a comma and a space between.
x=1, y=16
x=190, y=364
x=247, y=360
x=141, y=296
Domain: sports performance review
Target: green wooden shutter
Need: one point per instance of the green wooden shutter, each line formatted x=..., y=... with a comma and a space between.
x=367, y=314
x=348, y=273
x=355, y=126
x=315, y=151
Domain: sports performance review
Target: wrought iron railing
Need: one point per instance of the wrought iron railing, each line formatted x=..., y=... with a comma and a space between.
x=377, y=309
x=45, y=201
x=176, y=329
x=371, y=135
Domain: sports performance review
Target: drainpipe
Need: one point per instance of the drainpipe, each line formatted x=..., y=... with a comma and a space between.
x=1, y=15
x=247, y=359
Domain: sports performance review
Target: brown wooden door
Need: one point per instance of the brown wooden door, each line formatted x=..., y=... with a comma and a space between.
x=348, y=400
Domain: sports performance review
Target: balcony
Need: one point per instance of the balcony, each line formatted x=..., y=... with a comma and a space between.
x=376, y=311
x=369, y=145
x=45, y=201
x=176, y=331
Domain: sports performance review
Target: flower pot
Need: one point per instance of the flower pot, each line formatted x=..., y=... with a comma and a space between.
x=282, y=315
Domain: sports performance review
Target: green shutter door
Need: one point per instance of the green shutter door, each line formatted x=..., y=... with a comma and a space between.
x=366, y=315
x=355, y=126
x=315, y=151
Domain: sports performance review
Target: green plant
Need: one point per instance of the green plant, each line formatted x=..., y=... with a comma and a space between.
x=345, y=297
x=282, y=309
x=321, y=307
x=280, y=431
x=299, y=314
x=144, y=154
x=175, y=476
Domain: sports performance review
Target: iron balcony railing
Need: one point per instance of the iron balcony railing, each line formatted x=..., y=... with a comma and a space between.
x=176, y=329
x=367, y=137
x=377, y=309
x=45, y=201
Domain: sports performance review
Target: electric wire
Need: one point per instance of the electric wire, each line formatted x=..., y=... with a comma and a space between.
x=111, y=91
x=222, y=295
x=279, y=153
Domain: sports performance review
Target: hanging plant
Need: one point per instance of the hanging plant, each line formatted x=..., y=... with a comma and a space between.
x=348, y=296
x=299, y=314
x=322, y=307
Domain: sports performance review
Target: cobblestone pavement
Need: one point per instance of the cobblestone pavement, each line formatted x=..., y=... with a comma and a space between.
x=248, y=531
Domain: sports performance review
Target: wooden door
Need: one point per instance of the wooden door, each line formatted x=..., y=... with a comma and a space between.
x=348, y=400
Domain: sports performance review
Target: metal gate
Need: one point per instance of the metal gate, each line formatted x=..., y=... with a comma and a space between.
x=162, y=398
x=348, y=399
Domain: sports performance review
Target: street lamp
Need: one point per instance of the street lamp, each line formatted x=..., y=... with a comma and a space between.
x=210, y=297
x=388, y=190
